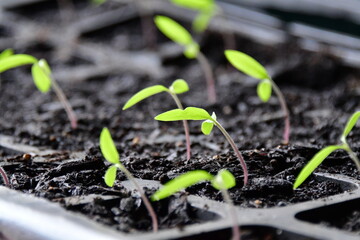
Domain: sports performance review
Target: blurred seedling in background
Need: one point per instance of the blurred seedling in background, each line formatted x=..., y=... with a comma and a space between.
x=4, y=177
x=253, y=68
x=223, y=181
x=181, y=36
x=322, y=154
x=177, y=87
x=110, y=153
x=42, y=77
x=193, y=113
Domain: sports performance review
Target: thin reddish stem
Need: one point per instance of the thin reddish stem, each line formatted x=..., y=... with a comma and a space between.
x=232, y=212
x=209, y=77
x=4, y=177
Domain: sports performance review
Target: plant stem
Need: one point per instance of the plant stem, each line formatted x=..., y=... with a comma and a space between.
x=186, y=126
x=352, y=155
x=143, y=197
x=209, y=76
x=4, y=177
x=236, y=150
x=281, y=98
x=69, y=111
x=232, y=213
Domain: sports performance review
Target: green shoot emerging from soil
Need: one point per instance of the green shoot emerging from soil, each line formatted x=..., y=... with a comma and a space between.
x=42, y=77
x=110, y=153
x=193, y=113
x=322, y=154
x=181, y=36
x=253, y=68
x=206, y=9
x=177, y=87
x=223, y=181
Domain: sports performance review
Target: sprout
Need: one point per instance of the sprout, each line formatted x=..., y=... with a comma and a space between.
x=181, y=36
x=4, y=177
x=42, y=77
x=193, y=113
x=177, y=87
x=322, y=154
x=110, y=153
x=253, y=68
x=223, y=181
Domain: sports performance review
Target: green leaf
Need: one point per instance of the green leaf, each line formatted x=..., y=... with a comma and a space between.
x=207, y=126
x=200, y=5
x=246, y=64
x=181, y=182
x=179, y=86
x=189, y=113
x=173, y=30
x=264, y=89
x=41, y=79
x=201, y=21
x=223, y=180
x=108, y=148
x=16, y=61
x=350, y=124
x=6, y=53
x=314, y=163
x=45, y=66
x=110, y=176
x=191, y=50
x=143, y=94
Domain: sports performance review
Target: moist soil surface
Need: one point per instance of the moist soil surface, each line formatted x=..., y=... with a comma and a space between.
x=320, y=91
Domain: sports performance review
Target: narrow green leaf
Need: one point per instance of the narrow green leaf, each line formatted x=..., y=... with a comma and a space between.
x=173, y=30
x=143, y=94
x=45, y=66
x=16, y=61
x=207, y=126
x=181, y=182
x=264, y=89
x=108, y=148
x=179, y=86
x=350, y=124
x=110, y=176
x=200, y=5
x=201, y=21
x=6, y=53
x=189, y=113
x=223, y=180
x=314, y=163
x=191, y=50
x=246, y=64
x=41, y=79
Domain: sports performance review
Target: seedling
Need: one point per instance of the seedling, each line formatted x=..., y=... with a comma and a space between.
x=177, y=87
x=42, y=77
x=4, y=177
x=322, y=154
x=110, y=153
x=193, y=113
x=181, y=36
x=253, y=68
x=223, y=181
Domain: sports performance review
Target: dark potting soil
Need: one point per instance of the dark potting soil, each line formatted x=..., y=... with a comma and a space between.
x=320, y=91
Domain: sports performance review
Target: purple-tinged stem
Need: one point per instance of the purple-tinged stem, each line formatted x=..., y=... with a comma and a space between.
x=69, y=111
x=4, y=177
x=285, y=109
x=232, y=212
x=209, y=77
x=186, y=126
x=236, y=150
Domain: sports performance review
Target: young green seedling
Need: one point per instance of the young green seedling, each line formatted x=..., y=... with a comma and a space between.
x=253, y=68
x=177, y=87
x=322, y=154
x=193, y=113
x=4, y=177
x=110, y=153
x=42, y=77
x=181, y=36
x=223, y=181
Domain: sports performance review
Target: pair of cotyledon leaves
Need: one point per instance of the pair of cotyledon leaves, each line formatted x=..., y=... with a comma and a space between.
x=322, y=154
x=40, y=70
x=223, y=180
